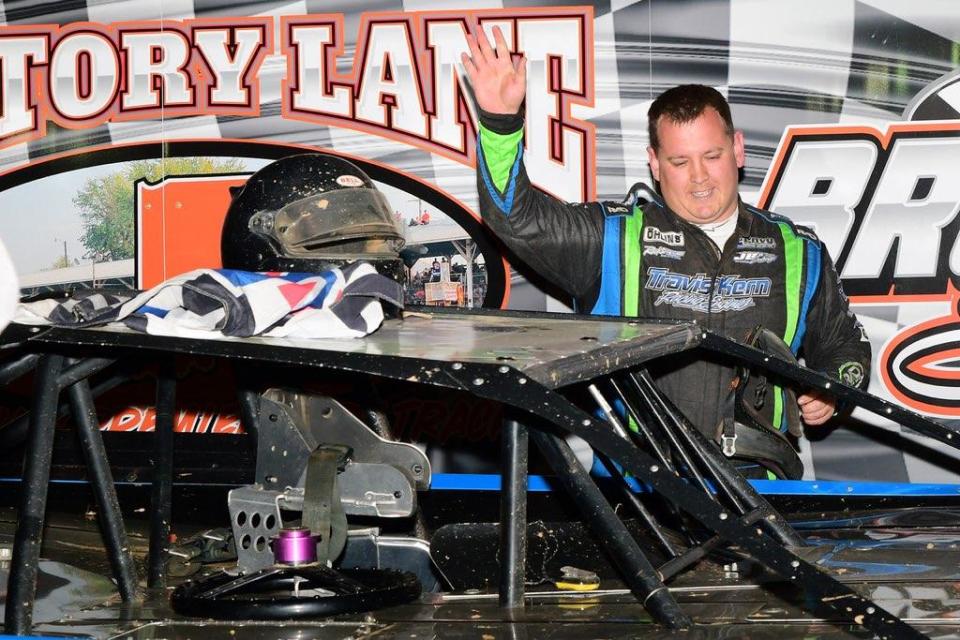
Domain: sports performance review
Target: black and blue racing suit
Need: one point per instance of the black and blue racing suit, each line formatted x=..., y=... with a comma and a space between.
x=616, y=259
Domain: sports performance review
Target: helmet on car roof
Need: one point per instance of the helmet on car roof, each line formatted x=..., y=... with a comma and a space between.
x=309, y=212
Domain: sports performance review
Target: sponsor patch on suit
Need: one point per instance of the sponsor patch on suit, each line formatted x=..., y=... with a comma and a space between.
x=663, y=252
x=754, y=257
x=756, y=242
x=672, y=238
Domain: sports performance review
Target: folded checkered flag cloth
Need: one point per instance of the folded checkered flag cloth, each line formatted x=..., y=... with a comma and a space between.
x=208, y=303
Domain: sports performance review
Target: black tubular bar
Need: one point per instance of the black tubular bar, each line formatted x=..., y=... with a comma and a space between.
x=377, y=420
x=14, y=433
x=22, y=582
x=375, y=412
x=628, y=434
x=695, y=554
x=675, y=443
x=641, y=577
x=110, y=517
x=10, y=371
x=634, y=501
x=814, y=379
x=726, y=477
x=608, y=412
x=249, y=401
x=651, y=441
x=82, y=370
x=652, y=444
x=162, y=489
x=823, y=593
x=671, y=423
x=515, y=454
x=729, y=477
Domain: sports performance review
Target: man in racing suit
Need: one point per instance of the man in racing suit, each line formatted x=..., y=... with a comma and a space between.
x=701, y=255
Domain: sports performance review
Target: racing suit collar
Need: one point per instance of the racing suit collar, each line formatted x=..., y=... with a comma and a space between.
x=745, y=220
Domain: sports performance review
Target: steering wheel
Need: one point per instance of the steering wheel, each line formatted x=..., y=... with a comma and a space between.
x=285, y=592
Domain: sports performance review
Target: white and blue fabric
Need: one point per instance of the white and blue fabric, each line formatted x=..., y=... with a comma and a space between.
x=208, y=303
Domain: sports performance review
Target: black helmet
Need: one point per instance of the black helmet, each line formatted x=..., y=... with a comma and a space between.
x=306, y=213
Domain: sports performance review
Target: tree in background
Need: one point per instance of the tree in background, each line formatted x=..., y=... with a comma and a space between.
x=62, y=262
x=106, y=202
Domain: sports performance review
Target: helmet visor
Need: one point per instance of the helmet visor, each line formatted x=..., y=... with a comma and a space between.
x=354, y=222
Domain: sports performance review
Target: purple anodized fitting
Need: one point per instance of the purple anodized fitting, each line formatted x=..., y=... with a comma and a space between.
x=295, y=547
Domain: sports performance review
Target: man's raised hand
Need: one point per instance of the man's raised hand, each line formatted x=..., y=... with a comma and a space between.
x=499, y=83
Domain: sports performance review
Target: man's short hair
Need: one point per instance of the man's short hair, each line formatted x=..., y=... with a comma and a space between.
x=685, y=103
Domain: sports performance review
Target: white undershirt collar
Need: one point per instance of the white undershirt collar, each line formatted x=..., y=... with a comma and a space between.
x=720, y=232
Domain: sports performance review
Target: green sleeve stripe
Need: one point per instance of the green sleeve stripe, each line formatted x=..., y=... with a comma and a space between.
x=632, y=252
x=793, y=265
x=500, y=152
x=793, y=254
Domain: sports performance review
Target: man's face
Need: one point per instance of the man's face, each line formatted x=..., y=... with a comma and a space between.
x=697, y=167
